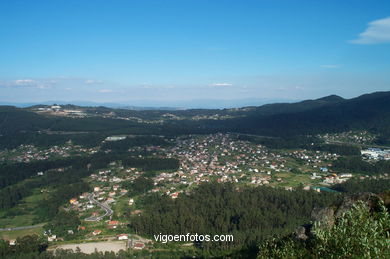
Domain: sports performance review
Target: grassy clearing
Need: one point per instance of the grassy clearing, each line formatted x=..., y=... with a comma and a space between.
x=22, y=214
x=8, y=235
x=121, y=205
x=17, y=221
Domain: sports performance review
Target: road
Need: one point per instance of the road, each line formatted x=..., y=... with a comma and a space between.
x=21, y=228
x=103, y=206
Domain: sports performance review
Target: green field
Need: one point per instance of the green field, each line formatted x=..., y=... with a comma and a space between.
x=24, y=213
x=8, y=235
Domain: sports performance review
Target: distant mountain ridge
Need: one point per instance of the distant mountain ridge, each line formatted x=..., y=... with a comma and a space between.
x=160, y=105
x=275, y=108
x=328, y=114
x=332, y=113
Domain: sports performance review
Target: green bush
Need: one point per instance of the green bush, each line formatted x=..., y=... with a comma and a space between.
x=357, y=234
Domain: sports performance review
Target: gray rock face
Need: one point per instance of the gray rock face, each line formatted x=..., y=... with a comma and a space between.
x=370, y=199
x=324, y=215
x=300, y=233
x=327, y=216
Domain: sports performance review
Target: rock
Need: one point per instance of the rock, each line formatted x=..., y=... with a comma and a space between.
x=302, y=232
x=324, y=215
x=328, y=216
x=371, y=199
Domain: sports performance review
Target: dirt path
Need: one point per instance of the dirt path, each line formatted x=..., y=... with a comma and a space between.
x=89, y=248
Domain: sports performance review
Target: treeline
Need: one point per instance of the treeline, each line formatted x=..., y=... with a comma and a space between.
x=355, y=164
x=138, y=186
x=49, y=207
x=30, y=246
x=34, y=247
x=280, y=142
x=250, y=214
x=45, y=140
x=13, y=173
x=16, y=120
x=340, y=149
x=305, y=142
x=11, y=195
x=368, y=112
x=367, y=185
x=136, y=141
x=73, y=170
x=332, y=114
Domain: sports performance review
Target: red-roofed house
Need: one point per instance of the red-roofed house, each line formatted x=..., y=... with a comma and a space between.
x=139, y=246
x=96, y=232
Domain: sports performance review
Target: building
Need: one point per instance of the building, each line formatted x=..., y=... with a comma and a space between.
x=96, y=232
x=115, y=138
x=139, y=246
x=113, y=223
x=51, y=238
x=123, y=237
x=174, y=195
x=73, y=201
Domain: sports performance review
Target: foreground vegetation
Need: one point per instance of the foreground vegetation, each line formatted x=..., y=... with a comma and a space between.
x=359, y=233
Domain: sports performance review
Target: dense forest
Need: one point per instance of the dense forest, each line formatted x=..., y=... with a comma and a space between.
x=136, y=141
x=306, y=142
x=251, y=214
x=367, y=185
x=355, y=164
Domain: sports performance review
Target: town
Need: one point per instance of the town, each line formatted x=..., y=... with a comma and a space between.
x=223, y=158
x=203, y=158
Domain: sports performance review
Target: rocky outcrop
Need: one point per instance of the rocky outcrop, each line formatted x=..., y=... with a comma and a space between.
x=328, y=216
x=372, y=201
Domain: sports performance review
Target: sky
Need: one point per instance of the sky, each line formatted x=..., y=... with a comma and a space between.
x=192, y=52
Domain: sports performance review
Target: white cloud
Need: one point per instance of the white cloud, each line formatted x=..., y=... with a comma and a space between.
x=24, y=82
x=378, y=31
x=330, y=66
x=91, y=82
x=31, y=83
x=105, y=91
x=221, y=84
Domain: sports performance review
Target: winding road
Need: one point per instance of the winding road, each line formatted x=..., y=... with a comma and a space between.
x=104, y=206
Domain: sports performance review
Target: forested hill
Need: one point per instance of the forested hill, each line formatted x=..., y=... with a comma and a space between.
x=14, y=120
x=331, y=113
x=280, y=108
x=370, y=111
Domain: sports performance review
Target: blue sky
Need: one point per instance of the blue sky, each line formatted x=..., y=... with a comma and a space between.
x=166, y=52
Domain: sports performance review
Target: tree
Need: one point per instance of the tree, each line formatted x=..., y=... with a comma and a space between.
x=357, y=234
